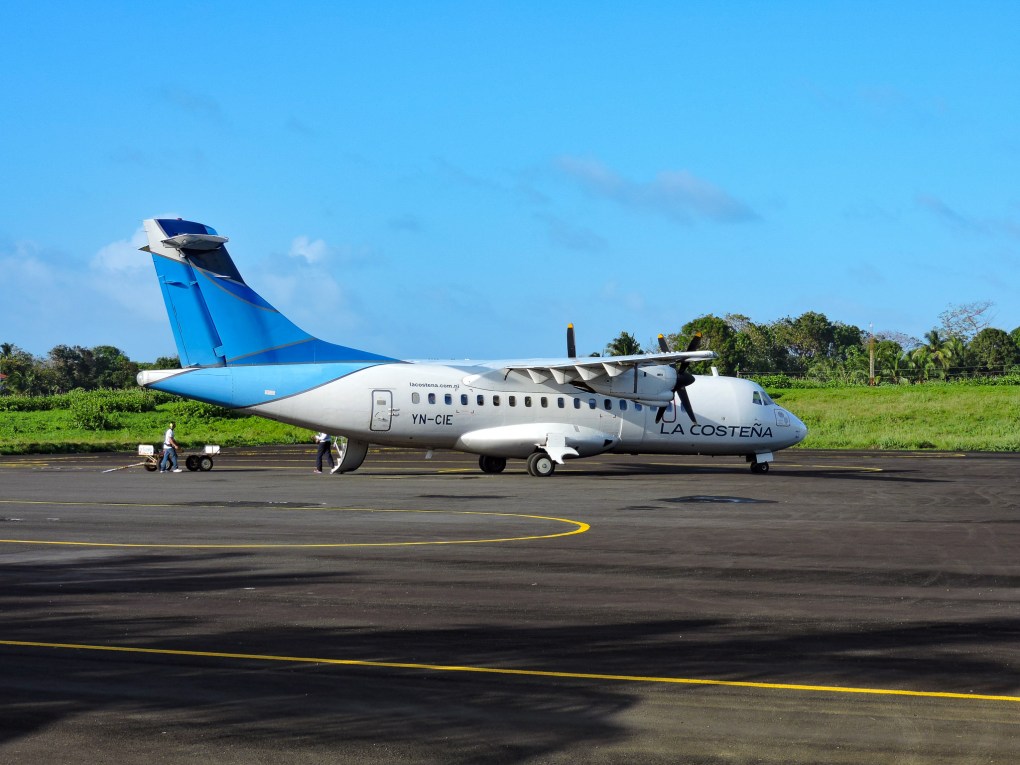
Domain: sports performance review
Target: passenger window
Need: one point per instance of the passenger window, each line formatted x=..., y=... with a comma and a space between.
x=637, y=407
x=481, y=400
x=623, y=405
x=591, y=403
x=577, y=403
x=608, y=404
x=448, y=399
x=513, y=400
x=432, y=398
x=463, y=399
x=495, y=400
x=527, y=400
x=415, y=398
x=560, y=403
x=756, y=398
x=544, y=401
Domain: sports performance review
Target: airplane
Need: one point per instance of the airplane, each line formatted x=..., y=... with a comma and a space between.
x=237, y=351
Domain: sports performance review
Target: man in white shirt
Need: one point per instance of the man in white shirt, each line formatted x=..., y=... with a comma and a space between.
x=170, y=448
x=322, y=439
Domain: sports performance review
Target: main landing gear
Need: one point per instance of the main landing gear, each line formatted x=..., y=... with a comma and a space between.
x=541, y=465
x=491, y=464
x=760, y=467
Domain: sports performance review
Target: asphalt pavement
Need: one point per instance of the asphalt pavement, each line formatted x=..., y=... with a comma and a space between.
x=844, y=608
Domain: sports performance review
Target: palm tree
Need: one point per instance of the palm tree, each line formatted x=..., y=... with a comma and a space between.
x=939, y=351
x=921, y=363
x=625, y=345
x=957, y=351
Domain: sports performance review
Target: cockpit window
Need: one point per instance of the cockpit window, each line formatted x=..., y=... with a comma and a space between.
x=756, y=398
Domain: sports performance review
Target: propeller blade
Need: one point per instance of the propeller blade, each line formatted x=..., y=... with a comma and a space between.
x=571, y=348
x=683, y=377
x=685, y=399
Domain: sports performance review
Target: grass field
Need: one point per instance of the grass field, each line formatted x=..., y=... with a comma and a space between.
x=942, y=417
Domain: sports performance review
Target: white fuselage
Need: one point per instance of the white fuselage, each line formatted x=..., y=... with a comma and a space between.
x=484, y=410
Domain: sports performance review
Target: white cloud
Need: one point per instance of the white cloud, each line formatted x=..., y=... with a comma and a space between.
x=565, y=234
x=676, y=194
x=123, y=256
x=308, y=250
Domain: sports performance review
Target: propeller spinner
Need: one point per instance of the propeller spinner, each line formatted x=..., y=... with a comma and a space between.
x=683, y=377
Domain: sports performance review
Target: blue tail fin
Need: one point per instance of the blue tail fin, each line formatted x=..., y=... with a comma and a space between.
x=217, y=319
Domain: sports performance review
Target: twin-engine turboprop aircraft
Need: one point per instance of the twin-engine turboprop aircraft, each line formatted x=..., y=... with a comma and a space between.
x=237, y=351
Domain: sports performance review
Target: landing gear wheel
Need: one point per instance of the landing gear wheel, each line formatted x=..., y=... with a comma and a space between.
x=491, y=464
x=541, y=465
x=759, y=467
x=205, y=464
x=191, y=463
x=150, y=466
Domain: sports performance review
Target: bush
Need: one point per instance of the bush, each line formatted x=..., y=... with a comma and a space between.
x=772, y=381
x=26, y=403
x=188, y=409
x=89, y=411
x=138, y=400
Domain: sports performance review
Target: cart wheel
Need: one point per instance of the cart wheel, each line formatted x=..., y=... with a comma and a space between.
x=205, y=464
x=151, y=467
x=191, y=463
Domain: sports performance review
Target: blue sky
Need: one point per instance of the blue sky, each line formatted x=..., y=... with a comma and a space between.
x=461, y=179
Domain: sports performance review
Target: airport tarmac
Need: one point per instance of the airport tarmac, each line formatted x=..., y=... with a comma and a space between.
x=844, y=608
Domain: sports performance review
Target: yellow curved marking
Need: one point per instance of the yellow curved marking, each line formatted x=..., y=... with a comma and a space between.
x=517, y=672
x=580, y=528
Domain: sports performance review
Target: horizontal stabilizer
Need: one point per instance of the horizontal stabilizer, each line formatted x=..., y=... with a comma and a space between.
x=195, y=241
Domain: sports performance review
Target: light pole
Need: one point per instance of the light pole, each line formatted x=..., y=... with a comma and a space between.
x=871, y=353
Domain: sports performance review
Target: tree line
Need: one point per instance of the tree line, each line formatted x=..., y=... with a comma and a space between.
x=70, y=367
x=812, y=346
x=809, y=346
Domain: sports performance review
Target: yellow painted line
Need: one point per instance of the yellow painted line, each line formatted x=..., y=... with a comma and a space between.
x=860, y=468
x=514, y=672
x=580, y=528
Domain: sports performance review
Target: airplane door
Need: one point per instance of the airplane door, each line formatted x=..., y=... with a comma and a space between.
x=382, y=409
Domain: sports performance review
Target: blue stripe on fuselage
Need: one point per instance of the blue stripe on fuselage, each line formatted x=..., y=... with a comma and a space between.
x=243, y=386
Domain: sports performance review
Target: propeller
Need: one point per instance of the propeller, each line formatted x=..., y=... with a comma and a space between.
x=683, y=377
x=571, y=348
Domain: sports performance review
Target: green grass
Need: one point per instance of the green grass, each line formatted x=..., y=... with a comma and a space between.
x=934, y=416
x=54, y=431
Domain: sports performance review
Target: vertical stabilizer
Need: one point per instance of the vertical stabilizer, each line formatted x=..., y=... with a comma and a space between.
x=217, y=319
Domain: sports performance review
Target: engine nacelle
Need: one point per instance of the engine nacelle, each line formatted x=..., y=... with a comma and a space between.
x=557, y=438
x=654, y=385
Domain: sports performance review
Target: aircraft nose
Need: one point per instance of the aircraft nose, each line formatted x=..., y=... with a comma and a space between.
x=800, y=430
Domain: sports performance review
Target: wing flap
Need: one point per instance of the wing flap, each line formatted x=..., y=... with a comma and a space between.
x=568, y=370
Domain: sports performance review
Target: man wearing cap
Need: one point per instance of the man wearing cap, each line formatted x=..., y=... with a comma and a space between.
x=170, y=448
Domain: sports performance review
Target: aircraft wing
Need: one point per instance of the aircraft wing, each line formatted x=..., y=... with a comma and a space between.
x=590, y=368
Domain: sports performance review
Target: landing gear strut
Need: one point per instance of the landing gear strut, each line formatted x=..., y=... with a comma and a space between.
x=541, y=465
